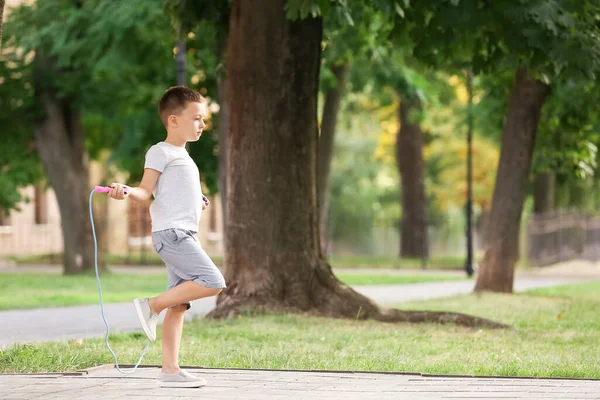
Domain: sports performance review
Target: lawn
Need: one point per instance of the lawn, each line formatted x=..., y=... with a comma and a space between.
x=383, y=262
x=22, y=291
x=555, y=334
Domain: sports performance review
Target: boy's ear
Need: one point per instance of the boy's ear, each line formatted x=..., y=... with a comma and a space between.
x=172, y=119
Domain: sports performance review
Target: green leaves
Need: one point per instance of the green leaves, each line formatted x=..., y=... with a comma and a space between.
x=324, y=8
x=304, y=8
x=399, y=10
x=114, y=60
x=364, y=40
x=551, y=36
x=19, y=164
x=569, y=133
x=391, y=7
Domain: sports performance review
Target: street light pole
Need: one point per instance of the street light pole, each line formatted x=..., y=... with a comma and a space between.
x=180, y=62
x=469, y=206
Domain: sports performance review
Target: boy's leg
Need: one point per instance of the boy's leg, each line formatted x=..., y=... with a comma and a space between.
x=171, y=375
x=181, y=294
x=191, y=273
x=171, y=338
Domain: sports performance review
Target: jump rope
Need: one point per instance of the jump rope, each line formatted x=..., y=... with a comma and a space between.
x=104, y=189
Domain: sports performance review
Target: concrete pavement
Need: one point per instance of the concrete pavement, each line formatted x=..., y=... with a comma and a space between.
x=223, y=384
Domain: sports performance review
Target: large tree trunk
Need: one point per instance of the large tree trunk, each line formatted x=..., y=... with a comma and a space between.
x=331, y=108
x=409, y=158
x=518, y=140
x=544, y=192
x=60, y=143
x=272, y=255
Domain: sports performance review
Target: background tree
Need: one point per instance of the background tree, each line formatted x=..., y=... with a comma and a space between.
x=99, y=71
x=409, y=158
x=397, y=74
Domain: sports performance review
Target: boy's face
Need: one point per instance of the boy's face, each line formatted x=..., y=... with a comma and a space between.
x=190, y=122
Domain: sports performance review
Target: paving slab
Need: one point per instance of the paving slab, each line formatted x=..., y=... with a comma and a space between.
x=244, y=384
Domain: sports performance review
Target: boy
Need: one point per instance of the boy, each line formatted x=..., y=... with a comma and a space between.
x=173, y=178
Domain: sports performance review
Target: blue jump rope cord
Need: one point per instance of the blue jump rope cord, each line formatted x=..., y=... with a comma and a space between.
x=101, y=302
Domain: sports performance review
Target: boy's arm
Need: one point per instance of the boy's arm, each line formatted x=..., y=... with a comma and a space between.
x=141, y=193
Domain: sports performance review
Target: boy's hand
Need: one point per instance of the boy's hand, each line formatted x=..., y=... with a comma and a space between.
x=205, y=202
x=118, y=191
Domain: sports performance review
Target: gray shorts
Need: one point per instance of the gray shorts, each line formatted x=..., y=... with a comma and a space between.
x=185, y=259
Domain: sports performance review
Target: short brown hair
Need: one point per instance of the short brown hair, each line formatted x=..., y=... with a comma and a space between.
x=175, y=100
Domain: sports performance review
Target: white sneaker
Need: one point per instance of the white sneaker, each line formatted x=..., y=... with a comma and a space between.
x=181, y=380
x=147, y=319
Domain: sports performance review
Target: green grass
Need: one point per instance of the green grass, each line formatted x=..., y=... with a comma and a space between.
x=22, y=291
x=450, y=263
x=148, y=258
x=383, y=279
x=383, y=262
x=556, y=334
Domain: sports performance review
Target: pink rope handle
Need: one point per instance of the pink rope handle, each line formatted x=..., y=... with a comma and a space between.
x=106, y=189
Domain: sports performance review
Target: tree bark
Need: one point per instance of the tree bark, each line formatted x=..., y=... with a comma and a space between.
x=518, y=139
x=544, y=192
x=409, y=158
x=331, y=108
x=60, y=143
x=482, y=227
x=272, y=253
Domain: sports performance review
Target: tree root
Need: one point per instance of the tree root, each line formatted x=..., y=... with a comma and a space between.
x=328, y=297
x=439, y=317
x=231, y=307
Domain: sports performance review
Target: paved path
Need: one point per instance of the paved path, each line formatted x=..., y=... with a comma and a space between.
x=394, y=294
x=223, y=384
x=53, y=324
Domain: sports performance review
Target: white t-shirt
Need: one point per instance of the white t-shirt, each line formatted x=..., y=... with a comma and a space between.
x=177, y=194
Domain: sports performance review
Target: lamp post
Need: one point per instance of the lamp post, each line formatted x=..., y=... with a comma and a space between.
x=469, y=206
x=180, y=62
